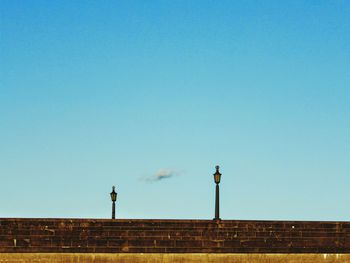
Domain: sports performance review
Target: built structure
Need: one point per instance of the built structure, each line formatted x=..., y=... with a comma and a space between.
x=143, y=240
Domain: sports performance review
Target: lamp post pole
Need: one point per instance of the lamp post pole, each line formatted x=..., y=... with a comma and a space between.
x=113, y=210
x=217, y=205
x=113, y=198
x=217, y=178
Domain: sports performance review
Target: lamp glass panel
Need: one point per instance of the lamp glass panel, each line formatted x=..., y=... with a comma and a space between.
x=217, y=178
x=113, y=196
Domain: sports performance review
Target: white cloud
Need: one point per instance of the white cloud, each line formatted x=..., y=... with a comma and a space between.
x=161, y=174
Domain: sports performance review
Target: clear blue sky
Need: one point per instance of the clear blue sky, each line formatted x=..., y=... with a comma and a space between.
x=102, y=93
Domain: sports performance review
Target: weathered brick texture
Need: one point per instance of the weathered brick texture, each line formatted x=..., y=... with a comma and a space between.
x=172, y=236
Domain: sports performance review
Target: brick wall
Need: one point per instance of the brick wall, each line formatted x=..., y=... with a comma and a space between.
x=171, y=258
x=172, y=236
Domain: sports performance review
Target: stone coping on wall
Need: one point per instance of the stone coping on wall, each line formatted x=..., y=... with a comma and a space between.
x=171, y=257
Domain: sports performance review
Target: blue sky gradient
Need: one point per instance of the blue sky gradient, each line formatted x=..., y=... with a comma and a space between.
x=102, y=93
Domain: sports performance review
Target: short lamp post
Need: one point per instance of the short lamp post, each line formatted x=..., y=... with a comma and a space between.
x=113, y=198
x=217, y=178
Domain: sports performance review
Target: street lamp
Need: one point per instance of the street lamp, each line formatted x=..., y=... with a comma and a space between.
x=114, y=198
x=217, y=177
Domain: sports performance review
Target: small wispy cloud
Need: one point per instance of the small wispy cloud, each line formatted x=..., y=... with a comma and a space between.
x=161, y=174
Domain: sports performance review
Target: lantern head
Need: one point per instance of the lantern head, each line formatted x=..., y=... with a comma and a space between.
x=217, y=175
x=113, y=195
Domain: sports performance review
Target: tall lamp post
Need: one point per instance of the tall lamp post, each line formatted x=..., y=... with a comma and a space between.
x=114, y=198
x=217, y=177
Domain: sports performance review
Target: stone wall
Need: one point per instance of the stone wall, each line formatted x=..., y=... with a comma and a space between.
x=173, y=258
x=172, y=236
